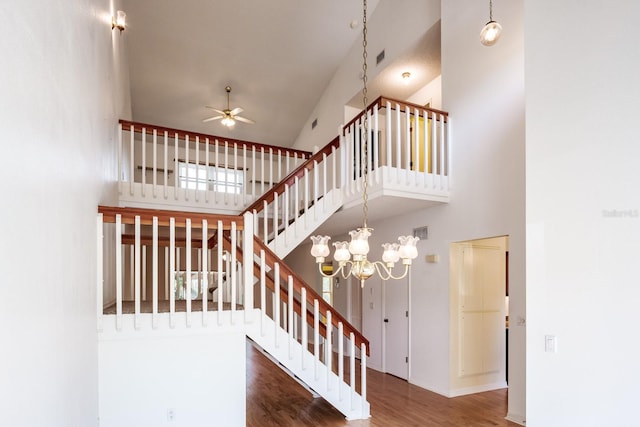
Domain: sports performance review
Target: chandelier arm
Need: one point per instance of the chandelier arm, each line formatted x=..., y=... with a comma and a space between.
x=385, y=274
x=343, y=269
x=388, y=272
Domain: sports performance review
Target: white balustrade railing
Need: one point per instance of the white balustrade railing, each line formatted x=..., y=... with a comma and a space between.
x=175, y=167
x=167, y=264
x=294, y=197
x=312, y=327
x=407, y=146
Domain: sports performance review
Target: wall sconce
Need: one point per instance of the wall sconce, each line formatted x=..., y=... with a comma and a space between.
x=491, y=31
x=406, y=76
x=119, y=21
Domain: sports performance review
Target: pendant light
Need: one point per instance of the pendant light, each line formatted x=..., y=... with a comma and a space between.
x=491, y=31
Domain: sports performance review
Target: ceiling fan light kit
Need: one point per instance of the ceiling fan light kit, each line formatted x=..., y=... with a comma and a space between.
x=228, y=117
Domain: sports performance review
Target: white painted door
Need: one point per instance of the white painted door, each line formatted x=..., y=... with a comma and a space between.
x=482, y=315
x=396, y=327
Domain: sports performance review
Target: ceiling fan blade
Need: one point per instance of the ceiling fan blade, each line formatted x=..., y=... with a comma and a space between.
x=212, y=118
x=242, y=119
x=215, y=109
x=236, y=110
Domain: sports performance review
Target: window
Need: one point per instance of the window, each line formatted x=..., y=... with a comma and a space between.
x=212, y=178
x=327, y=283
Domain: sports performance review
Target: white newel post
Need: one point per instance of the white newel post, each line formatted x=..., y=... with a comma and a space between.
x=247, y=264
x=99, y=270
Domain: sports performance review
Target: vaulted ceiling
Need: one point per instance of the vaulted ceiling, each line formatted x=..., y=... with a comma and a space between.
x=278, y=57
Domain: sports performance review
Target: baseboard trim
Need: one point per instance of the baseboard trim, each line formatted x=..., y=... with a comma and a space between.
x=428, y=387
x=477, y=389
x=516, y=418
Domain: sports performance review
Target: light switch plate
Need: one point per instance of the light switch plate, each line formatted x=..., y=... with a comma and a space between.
x=550, y=344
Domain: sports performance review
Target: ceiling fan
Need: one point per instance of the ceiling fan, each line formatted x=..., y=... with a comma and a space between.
x=228, y=117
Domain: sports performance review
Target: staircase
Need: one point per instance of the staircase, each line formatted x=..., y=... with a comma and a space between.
x=261, y=294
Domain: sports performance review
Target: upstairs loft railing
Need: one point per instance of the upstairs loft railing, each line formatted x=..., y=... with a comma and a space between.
x=407, y=145
x=176, y=167
x=158, y=261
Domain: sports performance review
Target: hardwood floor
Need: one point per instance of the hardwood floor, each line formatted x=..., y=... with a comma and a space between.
x=275, y=399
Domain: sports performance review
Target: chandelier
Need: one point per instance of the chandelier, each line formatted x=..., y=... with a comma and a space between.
x=352, y=256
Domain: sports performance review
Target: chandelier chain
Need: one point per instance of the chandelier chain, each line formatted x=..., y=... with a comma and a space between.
x=365, y=124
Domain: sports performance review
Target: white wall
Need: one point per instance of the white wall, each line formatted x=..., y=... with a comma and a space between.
x=61, y=96
x=198, y=375
x=583, y=212
x=483, y=90
x=394, y=26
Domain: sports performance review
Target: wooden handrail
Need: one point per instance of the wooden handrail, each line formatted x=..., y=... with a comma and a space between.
x=290, y=179
x=381, y=103
x=146, y=217
x=149, y=128
x=285, y=271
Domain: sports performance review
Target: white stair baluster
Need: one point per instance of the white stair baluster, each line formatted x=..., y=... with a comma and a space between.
x=99, y=270
x=340, y=359
x=290, y=322
x=352, y=368
x=155, y=162
x=328, y=350
x=119, y=271
x=137, y=272
x=303, y=326
x=154, y=273
x=316, y=337
x=187, y=279
x=172, y=271
x=204, y=272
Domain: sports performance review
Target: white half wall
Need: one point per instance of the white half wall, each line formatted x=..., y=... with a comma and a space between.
x=172, y=377
x=63, y=88
x=583, y=212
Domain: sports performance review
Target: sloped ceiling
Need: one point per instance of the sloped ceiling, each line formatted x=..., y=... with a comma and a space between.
x=278, y=56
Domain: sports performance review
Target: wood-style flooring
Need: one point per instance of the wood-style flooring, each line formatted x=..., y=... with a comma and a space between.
x=275, y=399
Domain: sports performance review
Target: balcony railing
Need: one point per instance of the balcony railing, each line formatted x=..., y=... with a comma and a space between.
x=172, y=167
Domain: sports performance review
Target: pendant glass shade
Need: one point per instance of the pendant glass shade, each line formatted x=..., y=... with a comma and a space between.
x=408, y=248
x=390, y=254
x=342, y=251
x=320, y=248
x=359, y=244
x=490, y=33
